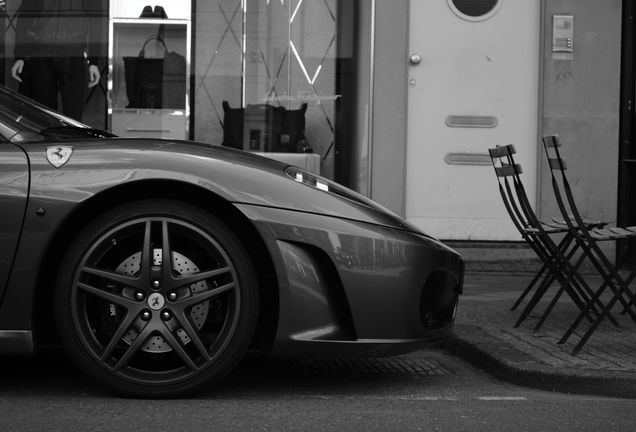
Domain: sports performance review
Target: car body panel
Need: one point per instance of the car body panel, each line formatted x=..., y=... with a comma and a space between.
x=262, y=256
x=99, y=165
x=14, y=188
x=336, y=259
x=359, y=302
x=350, y=276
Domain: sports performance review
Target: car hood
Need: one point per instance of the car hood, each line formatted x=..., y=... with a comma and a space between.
x=237, y=176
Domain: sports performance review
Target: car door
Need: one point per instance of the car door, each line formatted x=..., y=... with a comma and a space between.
x=14, y=189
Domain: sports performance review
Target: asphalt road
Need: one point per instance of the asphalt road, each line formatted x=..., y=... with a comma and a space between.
x=427, y=390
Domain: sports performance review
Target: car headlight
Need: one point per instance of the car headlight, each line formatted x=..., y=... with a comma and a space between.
x=321, y=183
x=307, y=178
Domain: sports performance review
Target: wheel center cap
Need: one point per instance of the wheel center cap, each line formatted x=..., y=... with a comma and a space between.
x=156, y=301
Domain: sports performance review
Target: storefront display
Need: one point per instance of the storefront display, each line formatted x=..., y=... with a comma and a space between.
x=149, y=50
x=265, y=127
x=286, y=70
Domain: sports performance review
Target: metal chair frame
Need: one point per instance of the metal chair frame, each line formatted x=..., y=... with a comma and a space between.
x=587, y=240
x=556, y=258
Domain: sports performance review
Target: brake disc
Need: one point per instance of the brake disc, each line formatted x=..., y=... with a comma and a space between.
x=184, y=267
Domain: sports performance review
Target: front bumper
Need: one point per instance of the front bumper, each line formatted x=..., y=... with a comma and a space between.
x=348, y=287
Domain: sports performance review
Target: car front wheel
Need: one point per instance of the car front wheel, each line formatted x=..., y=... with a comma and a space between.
x=156, y=299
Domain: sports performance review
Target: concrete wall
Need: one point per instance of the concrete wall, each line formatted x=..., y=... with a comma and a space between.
x=389, y=113
x=359, y=177
x=581, y=104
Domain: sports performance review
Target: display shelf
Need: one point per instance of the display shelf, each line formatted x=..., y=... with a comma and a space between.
x=149, y=69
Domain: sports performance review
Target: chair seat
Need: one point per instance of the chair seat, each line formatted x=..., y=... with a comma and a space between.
x=559, y=226
x=613, y=233
x=549, y=228
x=589, y=223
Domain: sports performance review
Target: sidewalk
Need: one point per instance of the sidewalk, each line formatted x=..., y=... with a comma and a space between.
x=484, y=335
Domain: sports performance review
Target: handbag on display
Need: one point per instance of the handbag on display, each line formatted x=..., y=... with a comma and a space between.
x=155, y=83
x=265, y=128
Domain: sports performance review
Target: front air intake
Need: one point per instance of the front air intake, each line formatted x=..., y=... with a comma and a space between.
x=438, y=302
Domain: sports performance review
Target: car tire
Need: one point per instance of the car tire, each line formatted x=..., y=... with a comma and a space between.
x=142, y=328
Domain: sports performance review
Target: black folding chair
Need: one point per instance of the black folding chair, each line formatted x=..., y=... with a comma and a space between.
x=555, y=257
x=588, y=241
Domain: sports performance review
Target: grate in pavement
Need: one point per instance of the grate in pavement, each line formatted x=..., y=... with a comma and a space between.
x=418, y=366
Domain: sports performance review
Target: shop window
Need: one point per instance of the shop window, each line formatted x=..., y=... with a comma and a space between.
x=72, y=21
x=267, y=77
x=277, y=77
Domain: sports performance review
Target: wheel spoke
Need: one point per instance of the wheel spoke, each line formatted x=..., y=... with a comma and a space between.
x=105, y=295
x=145, y=266
x=154, y=322
x=205, y=295
x=139, y=341
x=166, y=258
x=121, y=331
x=194, y=335
x=197, y=277
x=174, y=343
x=112, y=276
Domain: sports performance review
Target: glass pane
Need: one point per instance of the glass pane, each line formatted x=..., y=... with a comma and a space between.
x=149, y=52
x=50, y=39
x=266, y=75
x=278, y=77
x=218, y=65
x=142, y=79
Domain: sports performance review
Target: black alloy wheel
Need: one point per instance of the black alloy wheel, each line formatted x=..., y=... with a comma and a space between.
x=156, y=299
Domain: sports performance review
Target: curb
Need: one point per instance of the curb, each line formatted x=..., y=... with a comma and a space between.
x=498, y=358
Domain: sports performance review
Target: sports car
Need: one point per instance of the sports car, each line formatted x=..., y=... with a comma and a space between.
x=158, y=264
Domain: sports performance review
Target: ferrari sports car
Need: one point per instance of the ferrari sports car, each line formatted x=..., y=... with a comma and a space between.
x=158, y=264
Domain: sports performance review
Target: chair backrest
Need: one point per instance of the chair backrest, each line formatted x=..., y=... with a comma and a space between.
x=561, y=185
x=512, y=190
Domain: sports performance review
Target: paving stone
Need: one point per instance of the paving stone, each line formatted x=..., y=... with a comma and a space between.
x=486, y=336
x=388, y=365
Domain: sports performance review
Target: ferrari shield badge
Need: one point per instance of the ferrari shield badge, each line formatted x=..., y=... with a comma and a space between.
x=59, y=155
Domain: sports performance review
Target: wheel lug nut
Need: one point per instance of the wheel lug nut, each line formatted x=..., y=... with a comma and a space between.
x=156, y=284
x=145, y=315
x=172, y=296
x=166, y=315
x=139, y=296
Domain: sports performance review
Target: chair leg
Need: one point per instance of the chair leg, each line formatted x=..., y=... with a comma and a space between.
x=547, y=281
x=587, y=293
x=570, y=281
x=632, y=297
x=598, y=320
x=568, y=284
x=618, y=296
x=549, y=309
x=563, y=246
x=623, y=285
x=529, y=288
x=563, y=289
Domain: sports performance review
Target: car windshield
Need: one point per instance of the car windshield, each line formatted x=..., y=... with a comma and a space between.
x=23, y=120
x=32, y=115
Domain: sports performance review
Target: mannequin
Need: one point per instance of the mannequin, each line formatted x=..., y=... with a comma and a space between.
x=57, y=51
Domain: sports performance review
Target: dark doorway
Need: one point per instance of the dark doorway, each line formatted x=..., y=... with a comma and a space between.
x=627, y=132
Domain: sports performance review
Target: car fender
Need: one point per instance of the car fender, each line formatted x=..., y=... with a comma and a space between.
x=97, y=166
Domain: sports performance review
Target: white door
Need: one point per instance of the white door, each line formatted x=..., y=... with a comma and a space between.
x=473, y=85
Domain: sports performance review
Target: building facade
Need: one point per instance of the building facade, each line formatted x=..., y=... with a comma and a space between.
x=397, y=99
